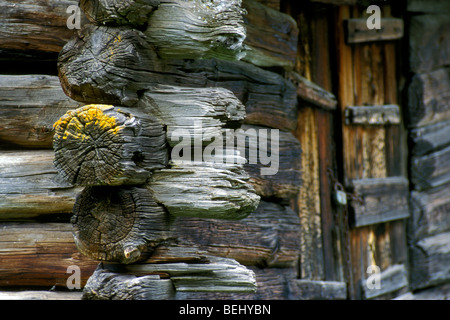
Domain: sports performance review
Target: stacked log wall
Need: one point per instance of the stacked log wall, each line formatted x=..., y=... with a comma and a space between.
x=428, y=118
x=36, y=239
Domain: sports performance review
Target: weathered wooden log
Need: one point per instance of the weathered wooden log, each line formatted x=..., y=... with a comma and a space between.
x=199, y=112
x=39, y=295
x=118, y=223
x=431, y=170
x=273, y=160
x=357, y=31
x=120, y=71
x=428, y=98
x=103, y=144
x=204, y=189
x=117, y=12
x=312, y=93
x=197, y=29
x=382, y=199
x=430, y=261
x=271, y=36
x=41, y=26
x=30, y=186
x=430, y=138
x=39, y=255
x=319, y=290
x=428, y=6
x=216, y=275
x=242, y=240
x=429, y=42
x=429, y=214
x=392, y=279
x=29, y=106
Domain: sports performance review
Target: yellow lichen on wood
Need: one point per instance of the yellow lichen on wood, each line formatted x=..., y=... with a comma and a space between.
x=73, y=123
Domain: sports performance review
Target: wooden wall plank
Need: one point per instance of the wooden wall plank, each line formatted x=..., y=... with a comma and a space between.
x=429, y=98
x=431, y=170
x=430, y=138
x=358, y=32
x=392, y=279
x=320, y=290
x=29, y=106
x=383, y=199
x=430, y=261
x=429, y=41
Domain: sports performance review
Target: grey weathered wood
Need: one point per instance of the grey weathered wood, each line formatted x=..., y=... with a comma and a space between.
x=29, y=106
x=119, y=12
x=431, y=170
x=216, y=275
x=204, y=189
x=272, y=36
x=201, y=112
x=372, y=115
x=313, y=93
x=320, y=290
x=118, y=223
x=430, y=138
x=30, y=186
x=429, y=98
x=430, y=212
x=441, y=292
x=31, y=25
x=39, y=295
x=429, y=42
x=133, y=67
x=103, y=144
x=242, y=240
x=430, y=261
x=197, y=29
x=281, y=177
x=428, y=6
x=107, y=285
x=358, y=32
x=392, y=279
x=383, y=199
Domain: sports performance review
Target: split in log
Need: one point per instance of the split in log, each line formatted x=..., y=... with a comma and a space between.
x=29, y=106
x=429, y=42
x=200, y=113
x=204, y=190
x=428, y=98
x=30, y=186
x=119, y=72
x=197, y=29
x=118, y=224
x=118, y=12
x=430, y=138
x=271, y=36
x=431, y=170
x=430, y=212
x=217, y=275
x=101, y=144
x=430, y=261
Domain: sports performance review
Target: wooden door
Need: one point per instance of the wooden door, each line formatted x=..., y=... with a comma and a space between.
x=372, y=153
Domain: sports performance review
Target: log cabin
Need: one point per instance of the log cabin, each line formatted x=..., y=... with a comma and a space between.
x=117, y=179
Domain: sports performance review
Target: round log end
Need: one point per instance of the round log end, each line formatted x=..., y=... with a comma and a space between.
x=104, y=145
x=120, y=224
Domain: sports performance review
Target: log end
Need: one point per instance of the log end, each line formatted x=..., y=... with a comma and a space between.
x=104, y=145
